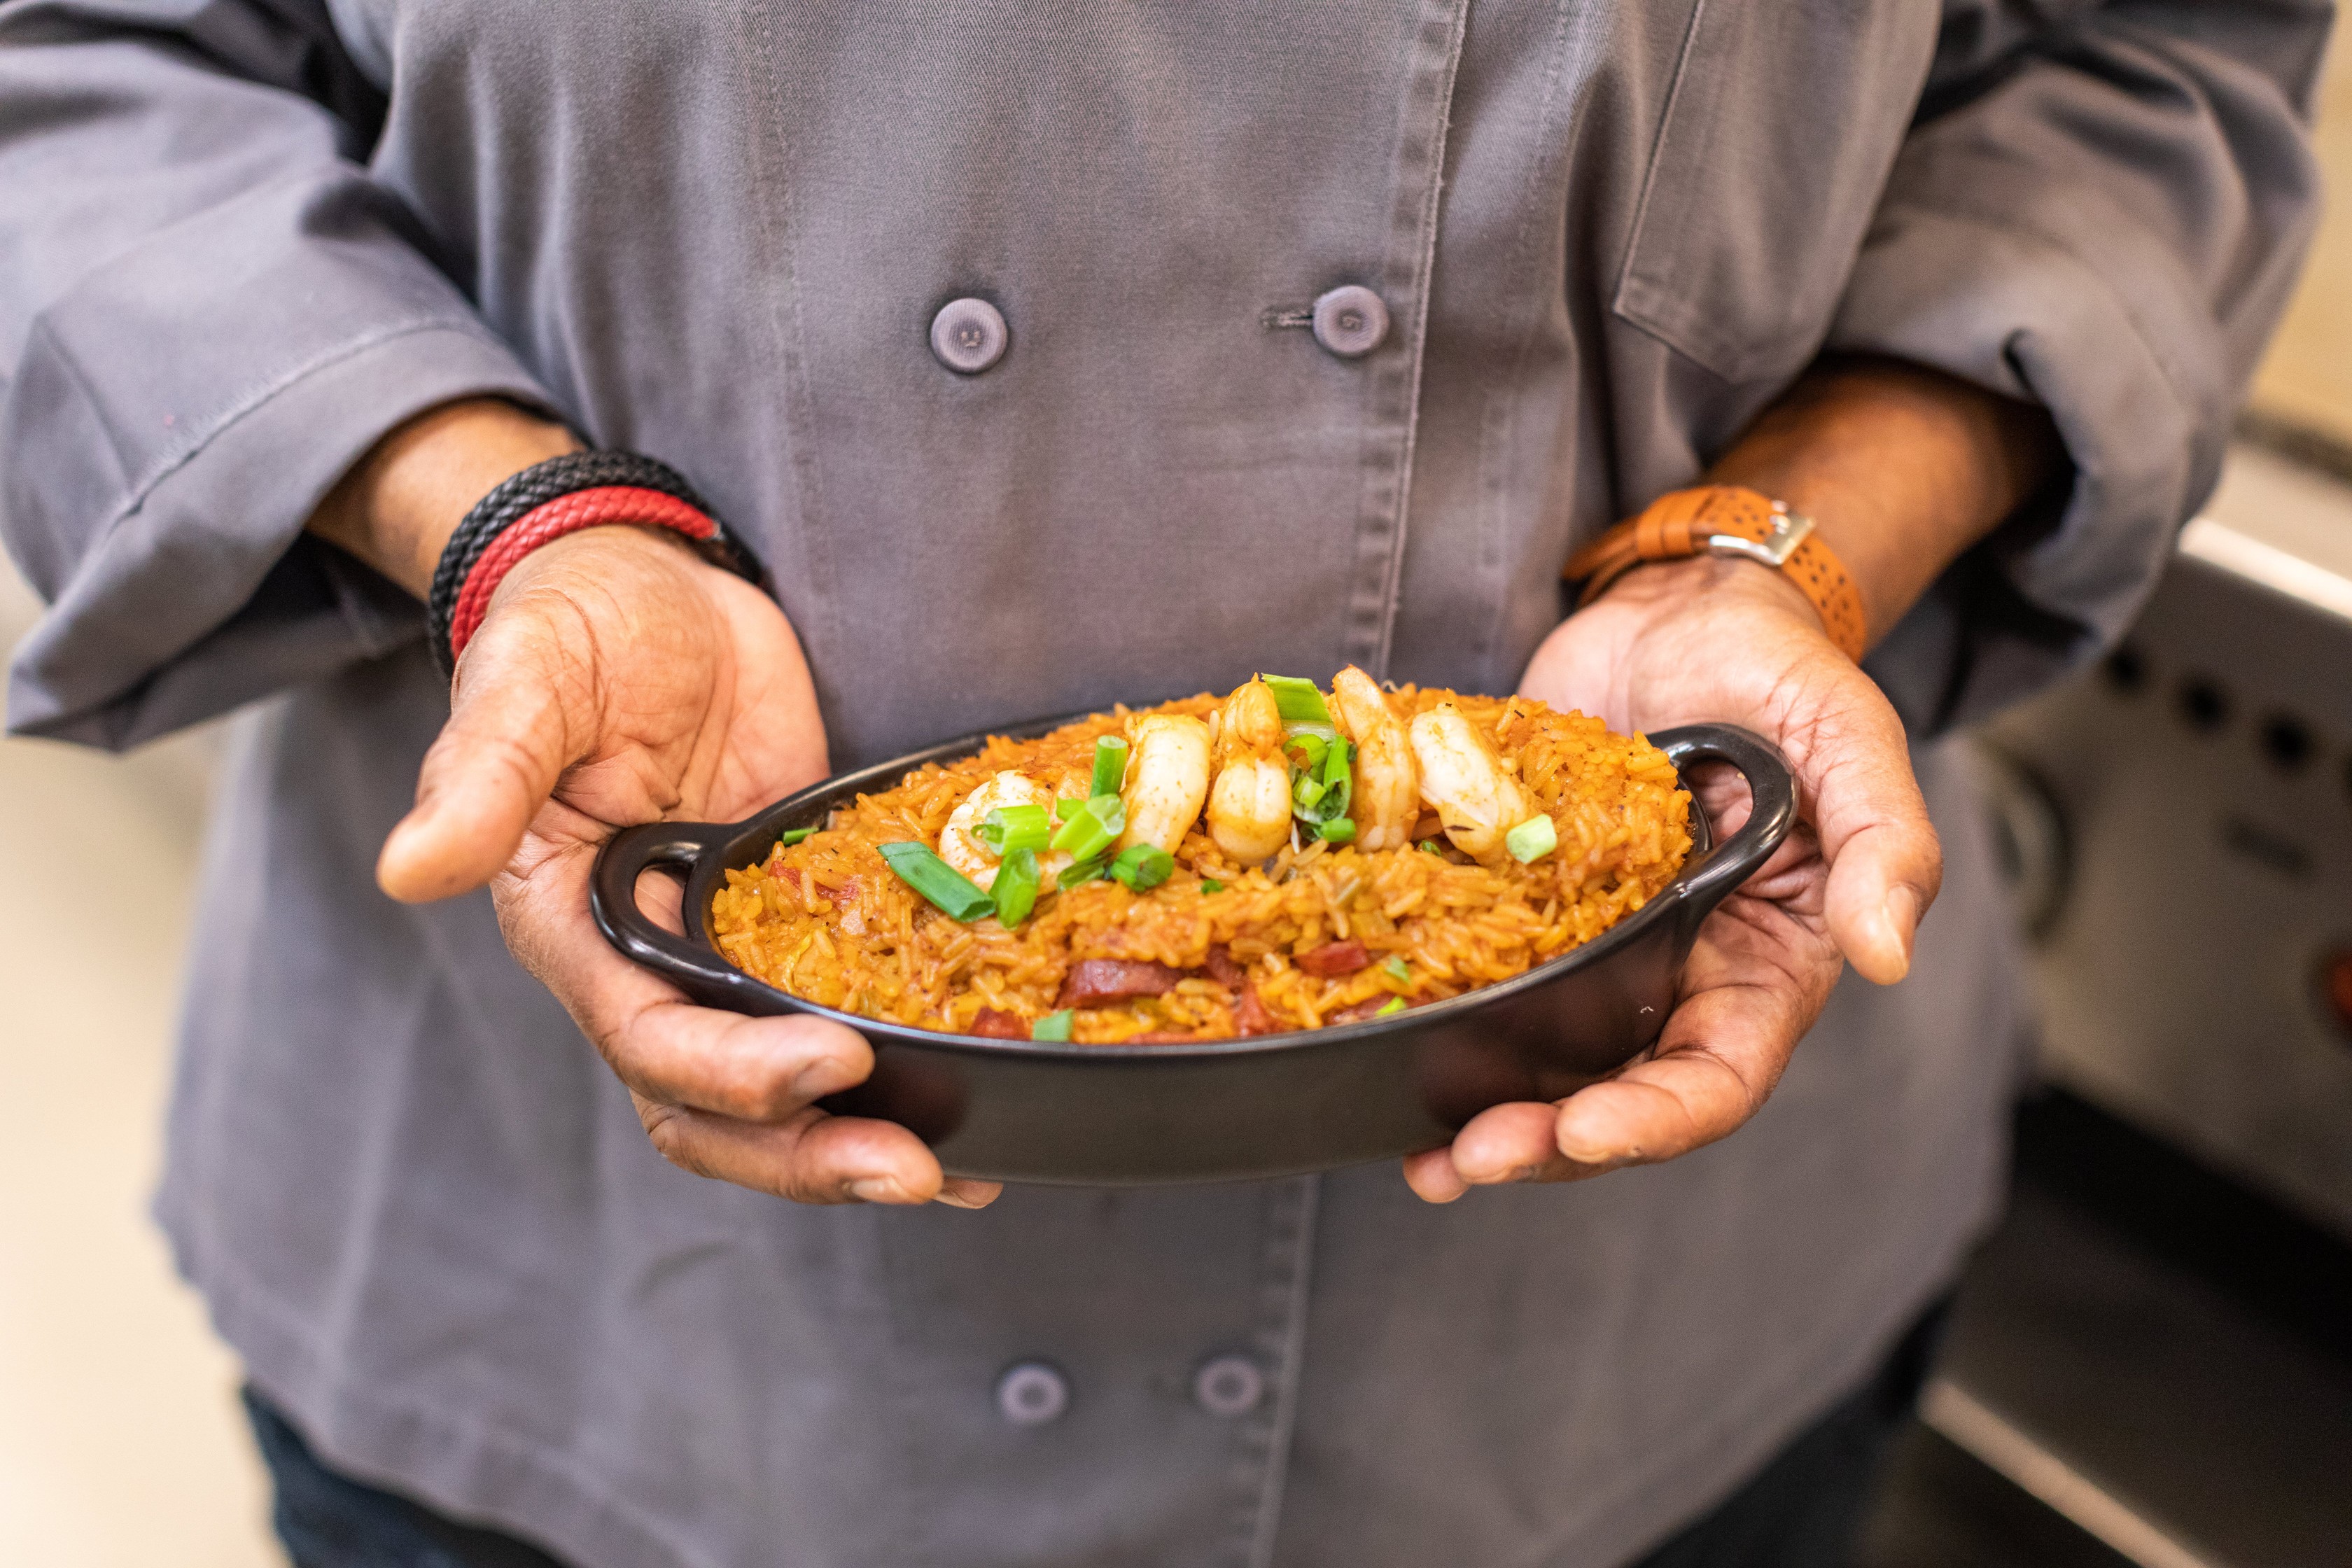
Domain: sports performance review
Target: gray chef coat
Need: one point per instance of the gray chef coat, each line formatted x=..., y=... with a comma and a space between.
x=241, y=238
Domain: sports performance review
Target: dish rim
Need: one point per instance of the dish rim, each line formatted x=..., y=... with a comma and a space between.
x=1698, y=885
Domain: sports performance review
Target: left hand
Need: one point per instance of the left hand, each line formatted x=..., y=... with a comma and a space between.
x=1726, y=641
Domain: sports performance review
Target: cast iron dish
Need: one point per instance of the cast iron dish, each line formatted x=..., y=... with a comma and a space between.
x=1271, y=1105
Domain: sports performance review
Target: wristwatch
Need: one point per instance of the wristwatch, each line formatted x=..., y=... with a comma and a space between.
x=1729, y=520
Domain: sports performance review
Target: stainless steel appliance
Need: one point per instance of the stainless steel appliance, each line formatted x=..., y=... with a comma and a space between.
x=2151, y=1360
x=2181, y=826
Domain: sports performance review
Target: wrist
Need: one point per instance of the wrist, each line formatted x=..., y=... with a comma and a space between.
x=1901, y=467
x=551, y=500
x=1657, y=588
x=588, y=555
x=397, y=505
x=1737, y=526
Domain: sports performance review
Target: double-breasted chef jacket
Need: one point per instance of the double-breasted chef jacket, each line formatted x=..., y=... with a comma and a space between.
x=240, y=239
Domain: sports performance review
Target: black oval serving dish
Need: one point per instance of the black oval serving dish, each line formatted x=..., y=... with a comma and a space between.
x=1271, y=1105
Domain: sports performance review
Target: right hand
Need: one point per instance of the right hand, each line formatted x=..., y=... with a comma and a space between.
x=619, y=678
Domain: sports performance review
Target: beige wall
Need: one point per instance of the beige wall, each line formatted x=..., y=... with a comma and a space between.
x=120, y=1441
x=2307, y=378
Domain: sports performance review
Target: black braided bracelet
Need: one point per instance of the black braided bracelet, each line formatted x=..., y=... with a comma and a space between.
x=524, y=493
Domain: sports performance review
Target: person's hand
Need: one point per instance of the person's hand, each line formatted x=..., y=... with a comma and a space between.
x=618, y=679
x=1726, y=641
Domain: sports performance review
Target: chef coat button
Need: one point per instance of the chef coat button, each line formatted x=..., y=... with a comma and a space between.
x=969, y=335
x=1031, y=1394
x=1350, y=321
x=1229, y=1385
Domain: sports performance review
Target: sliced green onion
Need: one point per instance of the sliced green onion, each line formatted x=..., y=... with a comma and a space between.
x=1336, y=796
x=1301, y=701
x=942, y=884
x=1532, y=839
x=1312, y=749
x=1338, y=830
x=1211, y=885
x=1393, y=1005
x=1319, y=793
x=1110, y=764
x=1398, y=968
x=1053, y=1025
x=1017, y=888
x=1431, y=845
x=1012, y=827
x=1093, y=829
x=1143, y=867
x=795, y=836
x=1306, y=729
x=1083, y=871
x=1065, y=808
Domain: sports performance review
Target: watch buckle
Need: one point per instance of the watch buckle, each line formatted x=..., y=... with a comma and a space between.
x=1788, y=531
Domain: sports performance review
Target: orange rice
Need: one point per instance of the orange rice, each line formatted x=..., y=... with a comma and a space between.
x=827, y=920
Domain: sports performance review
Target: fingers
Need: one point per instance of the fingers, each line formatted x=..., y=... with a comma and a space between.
x=722, y=1095
x=810, y=1157
x=734, y=1099
x=1678, y=1100
x=1504, y=1144
x=1756, y=983
x=759, y=1070
x=663, y=1047
x=1885, y=862
x=1432, y=1176
x=494, y=764
x=1723, y=1053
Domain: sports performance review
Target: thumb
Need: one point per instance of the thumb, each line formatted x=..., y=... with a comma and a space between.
x=493, y=766
x=1885, y=862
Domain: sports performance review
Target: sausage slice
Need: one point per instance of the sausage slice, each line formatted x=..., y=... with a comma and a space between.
x=1097, y=982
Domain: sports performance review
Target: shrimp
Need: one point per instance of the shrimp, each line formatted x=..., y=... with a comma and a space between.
x=1388, y=782
x=960, y=842
x=1467, y=783
x=1166, y=779
x=1249, y=810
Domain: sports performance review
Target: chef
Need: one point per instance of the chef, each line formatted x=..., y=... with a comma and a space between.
x=1025, y=358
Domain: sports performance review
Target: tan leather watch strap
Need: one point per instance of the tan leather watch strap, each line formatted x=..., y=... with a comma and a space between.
x=1729, y=520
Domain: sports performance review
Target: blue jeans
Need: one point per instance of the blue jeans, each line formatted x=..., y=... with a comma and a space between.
x=329, y=1521
x=1801, y=1510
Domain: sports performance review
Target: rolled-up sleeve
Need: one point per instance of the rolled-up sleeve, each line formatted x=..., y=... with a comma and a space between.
x=2101, y=209
x=208, y=312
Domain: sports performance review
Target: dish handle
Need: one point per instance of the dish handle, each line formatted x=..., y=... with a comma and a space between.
x=692, y=967
x=1774, y=812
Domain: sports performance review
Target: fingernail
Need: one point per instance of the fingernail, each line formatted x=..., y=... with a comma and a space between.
x=1903, y=914
x=956, y=1200
x=877, y=1190
x=395, y=843
x=1476, y=1171
x=826, y=1075
x=402, y=875
x=1584, y=1148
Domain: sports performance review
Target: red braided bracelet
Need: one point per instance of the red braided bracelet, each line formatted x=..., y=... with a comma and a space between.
x=552, y=519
